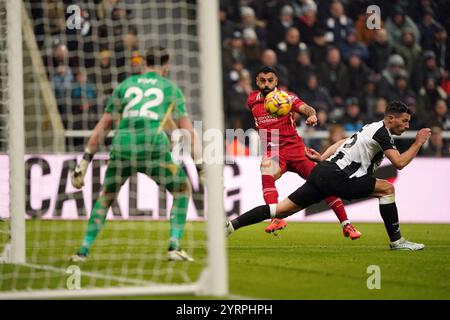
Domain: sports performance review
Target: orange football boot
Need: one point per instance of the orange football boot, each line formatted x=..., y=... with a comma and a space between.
x=350, y=231
x=275, y=225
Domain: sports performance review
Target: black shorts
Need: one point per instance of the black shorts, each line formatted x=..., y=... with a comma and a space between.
x=327, y=179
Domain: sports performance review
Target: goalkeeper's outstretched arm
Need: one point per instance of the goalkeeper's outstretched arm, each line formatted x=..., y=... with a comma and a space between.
x=100, y=131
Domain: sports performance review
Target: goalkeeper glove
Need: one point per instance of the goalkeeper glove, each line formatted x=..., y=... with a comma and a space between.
x=77, y=176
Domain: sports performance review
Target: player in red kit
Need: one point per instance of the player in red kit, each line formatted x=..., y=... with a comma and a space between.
x=284, y=149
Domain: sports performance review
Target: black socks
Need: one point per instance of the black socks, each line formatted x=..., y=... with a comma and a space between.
x=390, y=217
x=253, y=216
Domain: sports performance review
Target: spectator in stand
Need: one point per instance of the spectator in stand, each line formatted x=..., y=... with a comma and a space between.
x=368, y=96
x=322, y=125
x=233, y=10
x=288, y=49
x=299, y=75
x=125, y=50
x=379, y=108
x=252, y=50
x=227, y=26
x=394, y=66
x=62, y=81
x=231, y=77
x=429, y=96
x=322, y=120
x=319, y=47
x=336, y=133
x=437, y=146
x=269, y=59
x=351, y=45
x=441, y=48
x=337, y=23
x=396, y=24
x=416, y=122
x=269, y=11
x=352, y=120
x=307, y=21
x=233, y=50
x=82, y=41
x=358, y=73
x=425, y=69
x=409, y=50
x=82, y=109
x=445, y=82
x=400, y=90
x=137, y=63
x=83, y=101
x=379, y=51
x=60, y=56
x=106, y=76
x=316, y=95
x=112, y=16
x=276, y=29
x=239, y=117
x=249, y=21
x=333, y=74
x=302, y=6
x=439, y=117
x=427, y=27
x=55, y=15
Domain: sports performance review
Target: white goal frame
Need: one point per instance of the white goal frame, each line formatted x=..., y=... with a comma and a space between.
x=214, y=278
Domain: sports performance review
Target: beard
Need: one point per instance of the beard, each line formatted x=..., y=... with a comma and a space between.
x=265, y=91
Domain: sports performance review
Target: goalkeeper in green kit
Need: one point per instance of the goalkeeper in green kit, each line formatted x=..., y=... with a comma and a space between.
x=142, y=105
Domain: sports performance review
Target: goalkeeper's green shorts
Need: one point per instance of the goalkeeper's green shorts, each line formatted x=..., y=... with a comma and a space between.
x=159, y=166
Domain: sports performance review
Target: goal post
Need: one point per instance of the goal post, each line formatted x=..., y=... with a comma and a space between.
x=130, y=256
x=212, y=96
x=16, y=135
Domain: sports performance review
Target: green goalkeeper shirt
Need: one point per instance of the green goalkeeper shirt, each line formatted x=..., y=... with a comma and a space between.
x=142, y=101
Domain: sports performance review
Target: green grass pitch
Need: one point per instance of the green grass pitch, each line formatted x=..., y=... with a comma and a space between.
x=305, y=261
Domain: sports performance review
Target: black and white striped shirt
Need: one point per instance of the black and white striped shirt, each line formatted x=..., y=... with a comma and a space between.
x=363, y=152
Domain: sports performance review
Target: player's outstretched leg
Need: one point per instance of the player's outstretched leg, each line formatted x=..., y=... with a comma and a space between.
x=337, y=206
x=95, y=224
x=282, y=210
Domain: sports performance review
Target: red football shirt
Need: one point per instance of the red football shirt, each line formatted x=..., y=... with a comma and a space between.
x=264, y=121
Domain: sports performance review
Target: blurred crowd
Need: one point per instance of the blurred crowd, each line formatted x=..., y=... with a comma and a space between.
x=86, y=62
x=322, y=51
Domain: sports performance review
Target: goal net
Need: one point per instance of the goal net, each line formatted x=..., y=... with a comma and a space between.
x=73, y=56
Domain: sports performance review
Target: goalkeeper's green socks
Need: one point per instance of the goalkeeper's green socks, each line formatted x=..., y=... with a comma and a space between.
x=178, y=219
x=95, y=224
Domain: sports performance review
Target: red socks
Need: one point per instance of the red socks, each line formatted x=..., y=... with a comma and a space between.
x=338, y=207
x=270, y=193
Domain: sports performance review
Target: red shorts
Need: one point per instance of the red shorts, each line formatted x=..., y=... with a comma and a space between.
x=291, y=157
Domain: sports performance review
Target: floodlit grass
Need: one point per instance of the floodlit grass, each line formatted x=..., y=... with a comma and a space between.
x=305, y=261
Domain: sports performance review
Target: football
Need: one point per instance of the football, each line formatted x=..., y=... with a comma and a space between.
x=278, y=103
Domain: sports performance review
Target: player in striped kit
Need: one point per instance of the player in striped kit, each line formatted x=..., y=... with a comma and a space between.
x=285, y=148
x=346, y=169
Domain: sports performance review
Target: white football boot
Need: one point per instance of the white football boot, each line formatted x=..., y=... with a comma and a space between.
x=229, y=228
x=403, y=244
x=178, y=255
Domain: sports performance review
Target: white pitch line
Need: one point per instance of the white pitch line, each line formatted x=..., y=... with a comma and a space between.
x=89, y=274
